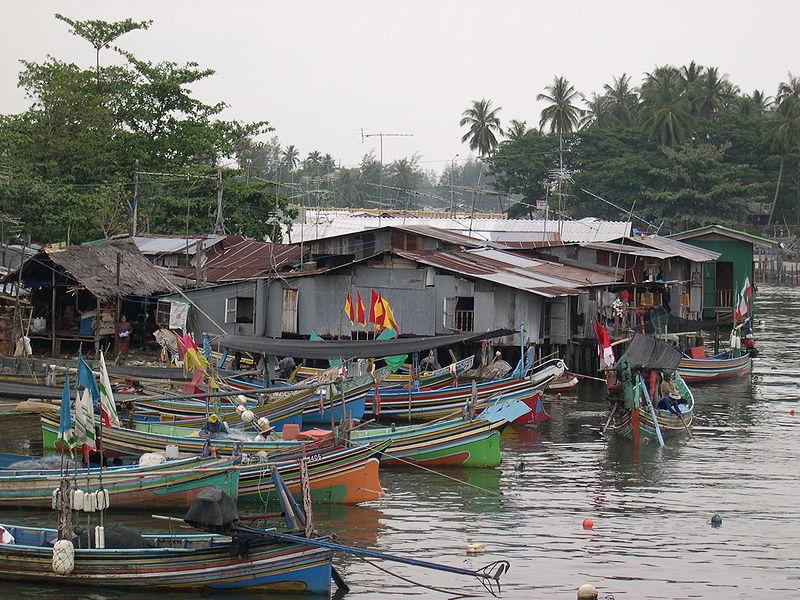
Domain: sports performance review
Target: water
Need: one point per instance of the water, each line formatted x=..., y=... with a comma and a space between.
x=651, y=510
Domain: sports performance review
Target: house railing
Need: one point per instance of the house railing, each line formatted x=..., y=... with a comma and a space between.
x=724, y=298
x=464, y=320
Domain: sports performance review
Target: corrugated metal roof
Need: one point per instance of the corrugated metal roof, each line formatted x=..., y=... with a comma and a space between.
x=247, y=259
x=503, y=268
x=174, y=245
x=628, y=248
x=322, y=224
x=726, y=232
x=676, y=248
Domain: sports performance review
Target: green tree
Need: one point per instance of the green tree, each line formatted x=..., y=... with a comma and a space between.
x=664, y=107
x=623, y=100
x=484, y=126
x=784, y=133
x=290, y=158
x=516, y=129
x=599, y=112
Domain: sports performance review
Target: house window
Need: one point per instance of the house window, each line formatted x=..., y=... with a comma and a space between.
x=459, y=313
x=603, y=257
x=572, y=252
x=289, y=312
x=239, y=309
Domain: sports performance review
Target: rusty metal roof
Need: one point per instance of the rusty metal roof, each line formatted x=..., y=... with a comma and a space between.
x=504, y=268
x=676, y=248
x=247, y=259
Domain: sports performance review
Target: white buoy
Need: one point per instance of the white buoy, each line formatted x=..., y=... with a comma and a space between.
x=240, y=409
x=102, y=499
x=99, y=537
x=77, y=499
x=248, y=416
x=241, y=400
x=54, y=503
x=63, y=557
x=89, y=502
x=587, y=592
x=263, y=423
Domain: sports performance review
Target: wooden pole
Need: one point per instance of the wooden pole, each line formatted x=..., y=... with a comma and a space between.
x=53, y=312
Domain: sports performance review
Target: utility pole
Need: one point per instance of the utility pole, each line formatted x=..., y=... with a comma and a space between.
x=135, y=217
x=452, y=190
x=219, y=226
x=381, y=135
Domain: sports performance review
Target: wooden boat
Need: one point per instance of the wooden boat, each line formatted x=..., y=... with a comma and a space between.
x=172, y=562
x=668, y=422
x=337, y=474
x=306, y=407
x=720, y=366
x=341, y=475
x=173, y=483
x=433, y=404
x=637, y=414
x=456, y=442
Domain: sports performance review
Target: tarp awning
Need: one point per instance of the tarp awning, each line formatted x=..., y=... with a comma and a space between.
x=347, y=349
x=647, y=352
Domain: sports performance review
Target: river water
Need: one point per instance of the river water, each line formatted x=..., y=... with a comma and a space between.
x=651, y=509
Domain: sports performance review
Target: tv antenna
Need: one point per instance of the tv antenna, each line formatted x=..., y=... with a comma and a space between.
x=382, y=135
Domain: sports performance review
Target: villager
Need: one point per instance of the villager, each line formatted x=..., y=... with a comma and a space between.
x=670, y=403
x=123, y=336
x=215, y=425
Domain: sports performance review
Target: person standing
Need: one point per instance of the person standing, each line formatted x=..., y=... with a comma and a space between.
x=123, y=337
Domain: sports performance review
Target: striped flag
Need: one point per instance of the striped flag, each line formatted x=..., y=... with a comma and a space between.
x=107, y=406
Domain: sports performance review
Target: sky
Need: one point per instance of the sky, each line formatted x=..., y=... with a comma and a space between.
x=320, y=72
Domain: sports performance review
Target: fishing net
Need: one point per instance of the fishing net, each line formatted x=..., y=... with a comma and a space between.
x=212, y=509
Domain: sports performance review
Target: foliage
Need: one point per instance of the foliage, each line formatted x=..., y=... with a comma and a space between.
x=484, y=126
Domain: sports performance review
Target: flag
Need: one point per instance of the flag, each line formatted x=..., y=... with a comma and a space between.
x=605, y=352
x=86, y=380
x=84, y=423
x=743, y=300
x=65, y=417
x=348, y=308
x=107, y=406
x=388, y=317
x=361, y=318
x=376, y=310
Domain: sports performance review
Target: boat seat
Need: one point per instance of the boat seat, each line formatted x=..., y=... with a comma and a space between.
x=697, y=352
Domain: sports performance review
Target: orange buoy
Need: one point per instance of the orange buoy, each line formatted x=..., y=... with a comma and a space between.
x=588, y=524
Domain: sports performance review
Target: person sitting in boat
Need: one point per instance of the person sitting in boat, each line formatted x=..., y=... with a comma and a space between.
x=670, y=403
x=215, y=425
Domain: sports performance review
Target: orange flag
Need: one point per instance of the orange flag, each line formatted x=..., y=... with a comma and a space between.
x=376, y=310
x=388, y=317
x=348, y=307
x=361, y=318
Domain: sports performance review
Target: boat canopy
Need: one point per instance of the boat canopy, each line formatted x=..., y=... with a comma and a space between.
x=347, y=349
x=647, y=352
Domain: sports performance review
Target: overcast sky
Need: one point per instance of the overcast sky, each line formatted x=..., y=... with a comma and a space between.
x=319, y=72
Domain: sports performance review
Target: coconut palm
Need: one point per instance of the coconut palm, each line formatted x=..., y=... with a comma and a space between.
x=622, y=99
x=484, y=126
x=755, y=104
x=664, y=106
x=516, y=129
x=789, y=90
x=691, y=77
x=784, y=133
x=561, y=115
x=599, y=112
x=290, y=157
x=712, y=92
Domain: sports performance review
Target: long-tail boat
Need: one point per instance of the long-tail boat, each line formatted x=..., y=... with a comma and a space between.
x=173, y=562
x=638, y=414
x=724, y=365
x=432, y=404
x=172, y=483
x=455, y=442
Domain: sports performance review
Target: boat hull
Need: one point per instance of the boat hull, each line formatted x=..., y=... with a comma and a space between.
x=266, y=566
x=722, y=366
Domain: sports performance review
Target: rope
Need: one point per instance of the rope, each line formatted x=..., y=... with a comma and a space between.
x=452, y=593
x=462, y=482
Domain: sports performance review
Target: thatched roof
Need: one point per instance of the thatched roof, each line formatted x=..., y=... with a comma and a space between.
x=95, y=268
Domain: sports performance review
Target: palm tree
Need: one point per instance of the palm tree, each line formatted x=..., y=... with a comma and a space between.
x=483, y=124
x=712, y=92
x=789, y=90
x=562, y=115
x=516, y=129
x=691, y=76
x=756, y=104
x=664, y=106
x=622, y=99
x=784, y=133
x=290, y=157
x=599, y=112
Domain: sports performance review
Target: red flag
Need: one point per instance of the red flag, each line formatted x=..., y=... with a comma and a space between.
x=348, y=307
x=388, y=316
x=361, y=318
x=604, y=350
x=376, y=315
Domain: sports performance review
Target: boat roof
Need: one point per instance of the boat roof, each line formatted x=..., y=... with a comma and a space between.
x=647, y=352
x=351, y=348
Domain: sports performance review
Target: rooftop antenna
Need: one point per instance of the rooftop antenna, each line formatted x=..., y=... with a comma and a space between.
x=382, y=135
